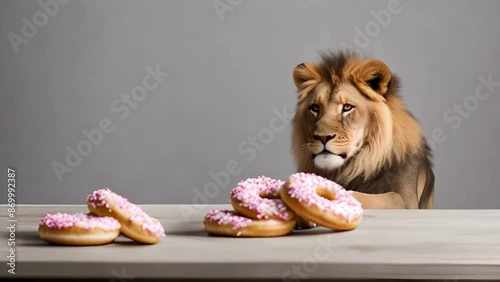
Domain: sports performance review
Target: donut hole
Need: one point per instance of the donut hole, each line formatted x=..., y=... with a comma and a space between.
x=269, y=196
x=327, y=194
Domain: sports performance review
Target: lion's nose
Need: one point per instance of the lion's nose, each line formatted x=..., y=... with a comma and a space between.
x=324, y=139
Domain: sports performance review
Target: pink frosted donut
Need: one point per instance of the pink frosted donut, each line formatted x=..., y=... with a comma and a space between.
x=78, y=229
x=322, y=201
x=135, y=223
x=259, y=198
x=229, y=223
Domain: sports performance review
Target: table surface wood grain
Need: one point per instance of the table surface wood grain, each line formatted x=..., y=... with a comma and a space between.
x=388, y=244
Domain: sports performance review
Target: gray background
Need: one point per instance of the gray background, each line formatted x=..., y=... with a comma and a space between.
x=227, y=74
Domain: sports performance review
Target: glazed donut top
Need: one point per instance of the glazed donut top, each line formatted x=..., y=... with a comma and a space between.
x=223, y=217
x=302, y=186
x=86, y=221
x=250, y=192
x=103, y=198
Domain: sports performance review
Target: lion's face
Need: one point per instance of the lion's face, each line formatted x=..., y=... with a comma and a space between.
x=341, y=110
x=337, y=122
x=351, y=126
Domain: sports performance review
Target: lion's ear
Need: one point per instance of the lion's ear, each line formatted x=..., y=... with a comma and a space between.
x=306, y=74
x=372, y=77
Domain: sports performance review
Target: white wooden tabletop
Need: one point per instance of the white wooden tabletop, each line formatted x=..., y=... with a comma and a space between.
x=396, y=244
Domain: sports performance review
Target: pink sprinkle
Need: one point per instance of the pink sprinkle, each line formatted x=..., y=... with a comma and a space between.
x=103, y=198
x=302, y=186
x=86, y=221
x=249, y=193
x=223, y=217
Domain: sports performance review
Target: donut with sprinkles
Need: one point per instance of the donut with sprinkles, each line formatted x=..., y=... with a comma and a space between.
x=78, y=229
x=322, y=201
x=135, y=223
x=259, y=198
x=230, y=223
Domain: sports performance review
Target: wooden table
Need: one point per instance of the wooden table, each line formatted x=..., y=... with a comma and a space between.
x=390, y=244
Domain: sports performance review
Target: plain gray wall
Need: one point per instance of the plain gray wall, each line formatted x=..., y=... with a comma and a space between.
x=228, y=73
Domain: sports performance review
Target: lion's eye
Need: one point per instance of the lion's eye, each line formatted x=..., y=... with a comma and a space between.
x=314, y=108
x=347, y=107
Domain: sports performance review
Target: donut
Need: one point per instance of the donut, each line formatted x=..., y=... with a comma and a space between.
x=78, y=229
x=229, y=223
x=259, y=198
x=135, y=223
x=322, y=201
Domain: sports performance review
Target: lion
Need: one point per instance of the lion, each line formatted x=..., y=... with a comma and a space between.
x=352, y=127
